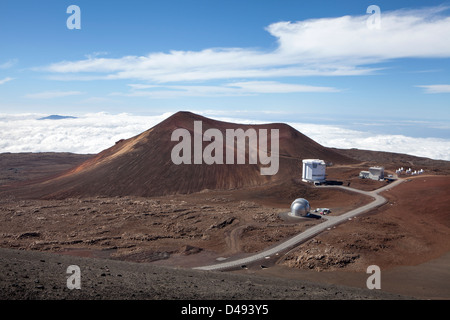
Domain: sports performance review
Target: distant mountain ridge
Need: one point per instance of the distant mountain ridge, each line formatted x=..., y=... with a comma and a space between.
x=57, y=117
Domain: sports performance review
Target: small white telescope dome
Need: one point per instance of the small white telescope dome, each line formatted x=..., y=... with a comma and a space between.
x=300, y=208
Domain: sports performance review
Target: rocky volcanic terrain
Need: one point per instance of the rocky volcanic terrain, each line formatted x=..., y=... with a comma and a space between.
x=37, y=275
x=210, y=224
x=128, y=217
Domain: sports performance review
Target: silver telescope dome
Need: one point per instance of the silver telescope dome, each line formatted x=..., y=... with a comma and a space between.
x=300, y=207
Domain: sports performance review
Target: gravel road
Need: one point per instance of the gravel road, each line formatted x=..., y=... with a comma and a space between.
x=42, y=276
x=309, y=233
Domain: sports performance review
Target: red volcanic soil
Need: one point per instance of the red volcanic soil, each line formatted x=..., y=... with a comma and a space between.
x=392, y=161
x=130, y=202
x=15, y=167
x=407, y=238
x=142, y=165
x=413, y=227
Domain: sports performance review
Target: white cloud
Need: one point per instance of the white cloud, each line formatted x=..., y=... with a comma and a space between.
x=89, y=133
x=403, y=34
x=92, y=133
x=5, y=80
x=52, y=94
x=337, y=137
x=323, y=47
x=277, y=87
x=8, y=64
x=436, y=88
x=228, y=89
x=209, y=64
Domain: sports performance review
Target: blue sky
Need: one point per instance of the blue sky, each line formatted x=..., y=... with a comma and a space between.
x=301, y=61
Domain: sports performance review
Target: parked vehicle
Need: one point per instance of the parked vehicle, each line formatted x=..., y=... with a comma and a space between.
x=323, y=211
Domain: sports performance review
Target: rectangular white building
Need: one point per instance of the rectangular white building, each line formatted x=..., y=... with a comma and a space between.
x=376, y=173
x=313, y=170
x=364, y=174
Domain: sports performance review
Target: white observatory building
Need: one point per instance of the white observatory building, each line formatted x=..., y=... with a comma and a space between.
x=374, y=173
x=313, y=170
x=300, y=208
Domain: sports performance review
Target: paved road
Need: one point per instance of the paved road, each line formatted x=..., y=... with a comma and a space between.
x=311, y=232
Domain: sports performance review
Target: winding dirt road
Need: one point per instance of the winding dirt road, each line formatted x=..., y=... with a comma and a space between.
x=311, y=232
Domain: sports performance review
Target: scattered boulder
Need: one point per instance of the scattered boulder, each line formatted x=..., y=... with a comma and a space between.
x=188, y=250
x=25, y=235
x=223, y=224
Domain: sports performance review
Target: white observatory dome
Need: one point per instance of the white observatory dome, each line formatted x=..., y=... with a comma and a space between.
x=300, y=207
